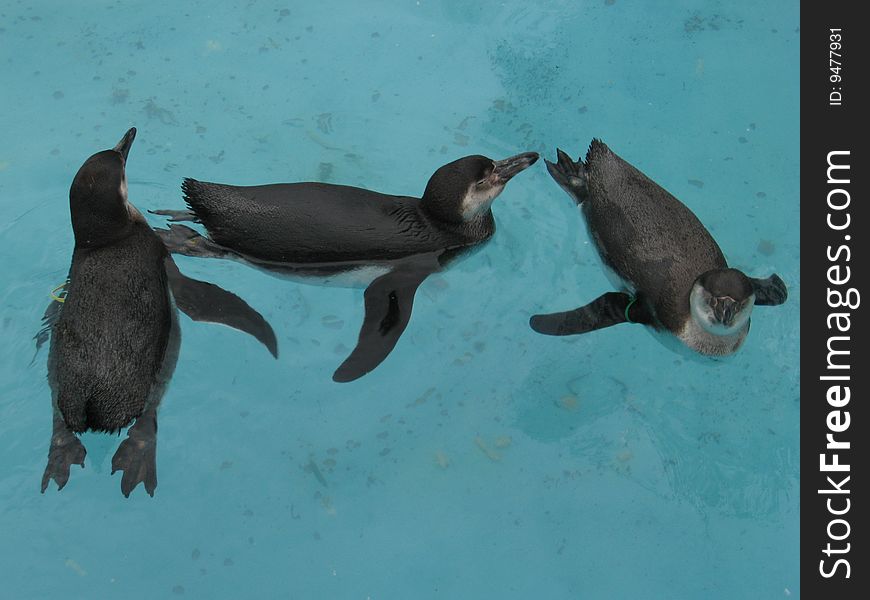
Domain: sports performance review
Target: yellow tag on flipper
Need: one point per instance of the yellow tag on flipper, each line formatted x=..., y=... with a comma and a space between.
x=58, y=294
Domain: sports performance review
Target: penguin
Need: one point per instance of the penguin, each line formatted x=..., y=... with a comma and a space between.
x=114, y=335
x=672, y=275
x=391, y=243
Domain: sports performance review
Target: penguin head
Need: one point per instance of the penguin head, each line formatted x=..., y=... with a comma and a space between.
x=722, y=300
x=462, y=191
x=98, y=203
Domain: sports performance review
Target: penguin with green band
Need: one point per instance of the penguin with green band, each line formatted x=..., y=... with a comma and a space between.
x=673, y=276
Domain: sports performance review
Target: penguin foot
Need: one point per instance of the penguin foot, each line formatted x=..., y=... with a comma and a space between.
x=570, y=175
x=137, y=457
x=177, y=215
x=771, y=291
x=66, y=450
x=181, y=239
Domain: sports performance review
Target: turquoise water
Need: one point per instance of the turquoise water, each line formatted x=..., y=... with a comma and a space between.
x=481, y=460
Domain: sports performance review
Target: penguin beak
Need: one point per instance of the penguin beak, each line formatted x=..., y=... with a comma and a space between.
x=123, y=147
x=507, y=168
x=725, y=309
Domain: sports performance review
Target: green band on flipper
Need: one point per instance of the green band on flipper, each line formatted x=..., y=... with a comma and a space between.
x=627, y=308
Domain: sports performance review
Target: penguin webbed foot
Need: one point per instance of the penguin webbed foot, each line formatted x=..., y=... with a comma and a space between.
x=570, y=175
x=177, y=215
x=771, y=291
x=607, y=310
x=137, y=455
x=181, y=239
x=66, y=450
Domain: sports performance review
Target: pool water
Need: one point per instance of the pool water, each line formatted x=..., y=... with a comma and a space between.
x=480, y=460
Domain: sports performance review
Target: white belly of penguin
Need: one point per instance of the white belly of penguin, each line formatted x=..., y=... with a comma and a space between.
x=715, y=346
x=619, y=283
x=355, y=276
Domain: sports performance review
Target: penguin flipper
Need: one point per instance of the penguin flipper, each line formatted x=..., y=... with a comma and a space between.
x=609, y=309
x=177, y=215
x=137, y=455
x=770, y=291
x=49, y=318
x=388, y=303
x=65, y=450
x=203, y=301
x=181, y=239
x=570, y=175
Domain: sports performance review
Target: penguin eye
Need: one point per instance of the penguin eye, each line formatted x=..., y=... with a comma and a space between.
x=481, y=182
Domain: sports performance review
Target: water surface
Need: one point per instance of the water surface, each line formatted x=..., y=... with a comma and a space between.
x=481, y=460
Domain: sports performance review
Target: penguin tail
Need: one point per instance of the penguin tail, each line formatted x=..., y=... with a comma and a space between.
x=597, y=148
x=197, y=194
x=570, y=175
x=208, y=199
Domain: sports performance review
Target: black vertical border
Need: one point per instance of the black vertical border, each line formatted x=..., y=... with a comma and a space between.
x=826, y=128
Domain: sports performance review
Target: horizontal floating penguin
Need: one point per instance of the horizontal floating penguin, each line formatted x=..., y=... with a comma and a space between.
x=392, y=243
x=114, y=330
x=673, y=275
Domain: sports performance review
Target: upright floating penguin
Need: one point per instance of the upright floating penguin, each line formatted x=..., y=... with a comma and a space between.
x=115, y=338
x=390, y=242
x=673, y=275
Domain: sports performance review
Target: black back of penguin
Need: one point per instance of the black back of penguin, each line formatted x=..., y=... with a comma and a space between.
x=645, y=234
x=323, y=223
x=110, y=342
x=309, y=222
